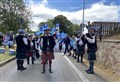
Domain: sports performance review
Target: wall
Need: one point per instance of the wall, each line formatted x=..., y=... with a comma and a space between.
x=108, y=55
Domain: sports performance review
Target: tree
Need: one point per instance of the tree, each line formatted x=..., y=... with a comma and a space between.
x=12, y=12
x=65, y=25
x=49, y=23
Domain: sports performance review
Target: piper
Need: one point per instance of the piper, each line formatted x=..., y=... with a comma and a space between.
x=22, y=43
x=47, y=46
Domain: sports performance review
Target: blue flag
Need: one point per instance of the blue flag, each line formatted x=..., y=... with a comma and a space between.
x=63, y=35
x=42, y=29
x=57, y=25
x=45, y=26
x=37, y=33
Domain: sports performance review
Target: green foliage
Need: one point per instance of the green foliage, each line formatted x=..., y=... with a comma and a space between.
x=49, y=23
x=11, y=12
x=65, y=25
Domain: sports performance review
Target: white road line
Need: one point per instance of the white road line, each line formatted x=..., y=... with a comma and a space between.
x=77, y=71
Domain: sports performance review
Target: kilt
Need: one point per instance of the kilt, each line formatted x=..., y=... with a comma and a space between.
x=29, y=53
x=45, y=56
x=21, y=55
x=91, y=56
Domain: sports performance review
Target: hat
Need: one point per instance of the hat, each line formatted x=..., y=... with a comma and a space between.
x=46, y=28
x=21, y=31
x=30, y=35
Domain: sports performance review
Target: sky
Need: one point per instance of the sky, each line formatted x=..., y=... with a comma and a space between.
x=95, y=10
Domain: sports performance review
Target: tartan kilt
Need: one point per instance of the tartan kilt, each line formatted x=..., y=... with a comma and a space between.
x=49, y=56
x=91, y=56
x=29, y=53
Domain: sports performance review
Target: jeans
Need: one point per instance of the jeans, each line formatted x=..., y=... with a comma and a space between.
x=91, y=66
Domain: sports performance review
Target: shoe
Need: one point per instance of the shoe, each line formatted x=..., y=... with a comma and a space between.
x=50, y=71
x=90, y=72
x=81, y=61
x=69, y=54
x=23, y=68
x=18, y=68
x=87, y=70
x=32, y=62
x=77, y=61
x=43, y=71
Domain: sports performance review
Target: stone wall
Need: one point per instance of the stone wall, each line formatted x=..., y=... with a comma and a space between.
x=108, y=55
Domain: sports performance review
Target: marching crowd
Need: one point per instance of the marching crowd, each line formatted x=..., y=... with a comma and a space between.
x=78, y=46
x=29, y=46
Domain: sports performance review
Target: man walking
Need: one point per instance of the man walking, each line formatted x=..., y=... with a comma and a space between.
x=22, y=43
x=47, y=46
x=67, y=43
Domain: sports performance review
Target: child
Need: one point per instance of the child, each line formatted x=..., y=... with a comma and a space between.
x=71, y=44
x=74, y=49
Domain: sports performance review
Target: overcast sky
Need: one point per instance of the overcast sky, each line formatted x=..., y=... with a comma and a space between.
x=95, y=10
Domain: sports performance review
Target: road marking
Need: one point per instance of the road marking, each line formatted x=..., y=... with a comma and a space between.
x=77, y=71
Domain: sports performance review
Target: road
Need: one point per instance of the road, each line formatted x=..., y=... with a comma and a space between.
x=65, y=69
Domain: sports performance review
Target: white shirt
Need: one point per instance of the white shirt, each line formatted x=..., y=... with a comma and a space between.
x=31, y=43
x=25, y=41
x=91, y=40
x=80, y=42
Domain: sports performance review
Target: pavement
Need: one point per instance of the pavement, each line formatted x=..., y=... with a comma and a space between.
x=110, y=40
x=65, y=69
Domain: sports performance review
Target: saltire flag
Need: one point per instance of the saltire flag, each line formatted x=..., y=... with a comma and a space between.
x=41, y=29
x=37, y=33
x=53, y=30
x=45, y=26
x=57, y=26
x=58, y=35
x=63, y=35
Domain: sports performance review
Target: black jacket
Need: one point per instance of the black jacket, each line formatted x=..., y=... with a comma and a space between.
x=45, y=40
x=29, y=46
x=67, y=41
x=21, y=47
x=92, y=47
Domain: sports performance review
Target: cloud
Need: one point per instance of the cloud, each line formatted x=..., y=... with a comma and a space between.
x=97, y=12
x=74, y=7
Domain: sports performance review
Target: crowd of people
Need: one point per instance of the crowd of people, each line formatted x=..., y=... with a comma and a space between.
x=79, y=45
x=7, y=39
x=29, y=47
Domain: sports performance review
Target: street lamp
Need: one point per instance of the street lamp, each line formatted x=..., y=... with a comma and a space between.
x=83, y=15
